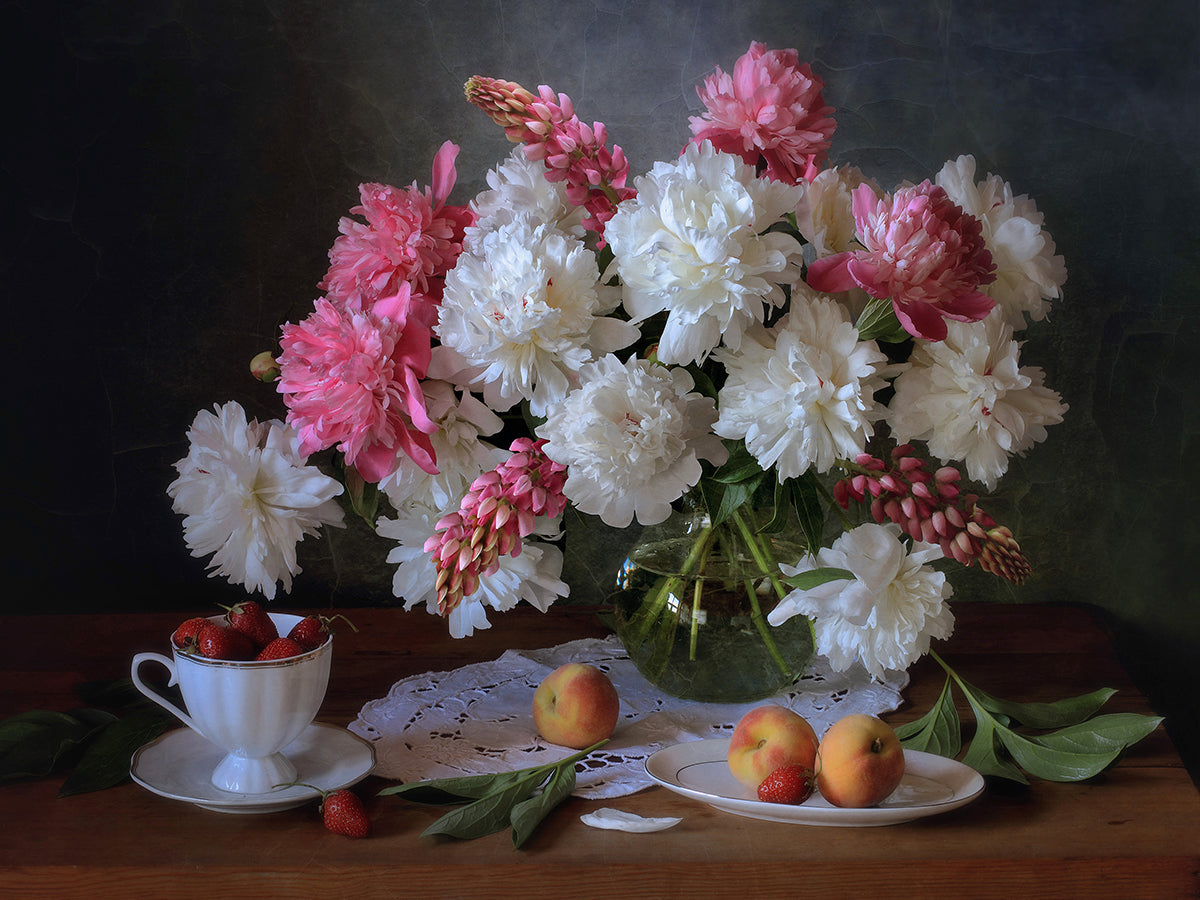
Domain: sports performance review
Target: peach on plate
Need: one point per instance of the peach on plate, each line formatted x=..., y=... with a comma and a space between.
x=767, y=738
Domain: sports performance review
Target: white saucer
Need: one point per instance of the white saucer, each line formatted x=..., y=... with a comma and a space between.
x=179, y=766
x=700, y=769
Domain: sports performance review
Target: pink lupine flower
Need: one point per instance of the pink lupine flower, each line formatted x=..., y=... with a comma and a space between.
x=353, y=380
x=572, y=151
x=410, y=236
x=928, y=506
x=770, y=112
x=922, y=251
x=499, y=510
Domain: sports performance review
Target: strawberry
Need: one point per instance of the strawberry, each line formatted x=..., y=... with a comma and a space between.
x=185, y=634
x=787, y=784
x=343, y=813
x=219, y=642
x=252, y=620
x=280, y=648
x=312, y=631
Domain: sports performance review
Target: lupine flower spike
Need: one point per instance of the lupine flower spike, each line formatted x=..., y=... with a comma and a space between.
x=498, y=511
x=930, y=507
x=572, y=152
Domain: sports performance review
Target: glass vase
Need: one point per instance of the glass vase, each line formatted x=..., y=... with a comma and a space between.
x=691, y=606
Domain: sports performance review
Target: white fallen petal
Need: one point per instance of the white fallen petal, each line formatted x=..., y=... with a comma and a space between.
x=616, y=820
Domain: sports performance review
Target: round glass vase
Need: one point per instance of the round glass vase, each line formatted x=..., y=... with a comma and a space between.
x=691, y=606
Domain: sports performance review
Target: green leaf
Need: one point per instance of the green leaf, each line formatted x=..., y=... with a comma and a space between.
x=878, y=322
x=803, y=581
x=107, y=754
x=734, y=496
x=486, y=815
x=528, y=814
x=806, y=498
x=982, y=754
x=741, y=465
x=34, y=743
x=1101, y=734
x=938, y=731
x=1069, y=711
x=1054, y=764
x=437, y=791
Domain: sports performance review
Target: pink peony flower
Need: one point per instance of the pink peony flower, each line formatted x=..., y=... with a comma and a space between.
x=353, y=379
x=410, y=236
x=769, y=112
x=922, y=251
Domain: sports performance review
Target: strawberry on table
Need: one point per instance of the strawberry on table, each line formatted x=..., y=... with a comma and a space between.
x=343, y=813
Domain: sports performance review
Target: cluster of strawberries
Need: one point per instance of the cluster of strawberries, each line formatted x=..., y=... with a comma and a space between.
x=248, y=633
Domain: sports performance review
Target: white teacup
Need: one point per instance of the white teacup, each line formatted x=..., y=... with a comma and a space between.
x=251, y=710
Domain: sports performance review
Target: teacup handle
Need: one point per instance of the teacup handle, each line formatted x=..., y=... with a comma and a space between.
x=164, y=703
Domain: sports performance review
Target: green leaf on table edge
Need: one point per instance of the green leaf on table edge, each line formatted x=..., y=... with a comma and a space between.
x=1069, y=711
x=982, y=755
x=455, y=789
x=1052, y=764
x=938, y=731
x=1115, y=731
x=35, y=743
x=105, y=760
x=521, y=798
x=528, y=814
x=490, y=813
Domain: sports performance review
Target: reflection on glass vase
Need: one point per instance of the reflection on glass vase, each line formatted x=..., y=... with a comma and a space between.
x=691, y=606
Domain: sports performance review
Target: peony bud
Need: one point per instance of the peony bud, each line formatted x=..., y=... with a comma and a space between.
x=264, y=367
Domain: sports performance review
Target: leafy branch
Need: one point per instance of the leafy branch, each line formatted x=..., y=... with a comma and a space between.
x=1074, y=746
x=491, y=803
x=94, y=744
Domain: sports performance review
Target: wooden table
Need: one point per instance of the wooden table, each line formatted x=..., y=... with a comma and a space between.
x=1134, y=832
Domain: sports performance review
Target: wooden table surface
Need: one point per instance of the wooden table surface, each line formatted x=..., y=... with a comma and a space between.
x=1133, y=832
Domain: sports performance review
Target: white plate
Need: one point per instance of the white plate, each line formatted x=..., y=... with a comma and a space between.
x=700, y=769
x=180, y=763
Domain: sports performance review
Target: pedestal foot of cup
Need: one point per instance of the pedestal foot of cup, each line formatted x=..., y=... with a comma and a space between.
x=253, y=775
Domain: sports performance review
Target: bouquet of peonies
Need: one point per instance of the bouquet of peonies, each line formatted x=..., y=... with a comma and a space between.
x=745, y=323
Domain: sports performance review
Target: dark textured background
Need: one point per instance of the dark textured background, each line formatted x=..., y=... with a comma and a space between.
x=173, y=173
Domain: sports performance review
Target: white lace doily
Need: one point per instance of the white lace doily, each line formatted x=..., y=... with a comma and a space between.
x=478, y=719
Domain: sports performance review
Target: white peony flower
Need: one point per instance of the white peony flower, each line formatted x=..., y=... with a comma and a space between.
x=1028, y=274
x=248, y=498
x=524, y=305
x=825, y=214
x=533, y=576
x=632, y=437
x=969, y=398
x=884, y=617
x=519, y=186
x=802, y=394
x=461, y=455
x=694, y=242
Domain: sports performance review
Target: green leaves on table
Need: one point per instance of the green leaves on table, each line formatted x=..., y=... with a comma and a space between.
x=95, y=744
x=490, y=803
x=1075, y=743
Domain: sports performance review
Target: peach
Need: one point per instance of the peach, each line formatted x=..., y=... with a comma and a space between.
x=768, y=738
x=576, y=706
x=862, y=761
